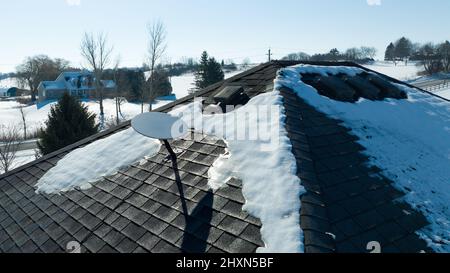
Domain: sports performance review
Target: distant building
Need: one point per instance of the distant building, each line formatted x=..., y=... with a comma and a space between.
x=79, y=84
x=9, y=92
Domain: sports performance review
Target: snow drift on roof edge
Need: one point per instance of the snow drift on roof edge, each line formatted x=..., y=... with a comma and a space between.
x=408, y=139
x=263, y=161
x=84, y=166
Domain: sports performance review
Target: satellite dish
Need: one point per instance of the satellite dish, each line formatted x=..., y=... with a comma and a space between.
x=159, y=126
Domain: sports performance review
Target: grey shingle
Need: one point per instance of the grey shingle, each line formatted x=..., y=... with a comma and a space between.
x=164, y=247
x=155, y=225
x=233, y=225
x=94, y=243
x=126, y=246
x=134, y=231
x=125, y=212
x=148, y=241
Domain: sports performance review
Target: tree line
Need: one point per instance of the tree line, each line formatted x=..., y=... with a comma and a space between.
x=434, y=58
x=356, y=54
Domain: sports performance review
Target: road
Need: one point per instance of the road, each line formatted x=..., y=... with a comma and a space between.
x=27, y=145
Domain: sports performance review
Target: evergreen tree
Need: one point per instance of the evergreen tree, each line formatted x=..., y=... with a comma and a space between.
x=161, y=84
x=68, y=122
x=209, y=72
x=215, y=72
x=201, y=73
x=403, y=48
x=389, y=55
x=334, y=54
x=444, y=52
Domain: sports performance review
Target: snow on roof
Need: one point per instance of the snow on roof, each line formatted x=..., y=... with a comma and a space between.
x=109, y=83
x=89, y=164
x=50, y=85
x=74, y=74
x=408, y=139
x=263, y=161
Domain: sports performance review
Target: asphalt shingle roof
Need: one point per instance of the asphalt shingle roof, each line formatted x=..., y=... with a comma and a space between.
x=347, y=204
x=139, y=209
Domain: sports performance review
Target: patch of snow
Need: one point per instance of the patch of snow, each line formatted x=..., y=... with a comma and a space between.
x=84, y=166
x=400, y=71
x=408, y=139
x=259, y=153
x=182, y=84
x=8, y=83
x=445, y=93
x=35, y=118
x=22, y=158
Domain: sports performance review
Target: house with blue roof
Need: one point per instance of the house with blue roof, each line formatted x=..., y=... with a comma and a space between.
x=77, y=83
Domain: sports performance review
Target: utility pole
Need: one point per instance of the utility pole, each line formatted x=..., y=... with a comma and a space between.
x=269, y=54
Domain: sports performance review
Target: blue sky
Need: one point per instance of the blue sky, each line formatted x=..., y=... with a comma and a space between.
x=227, y=29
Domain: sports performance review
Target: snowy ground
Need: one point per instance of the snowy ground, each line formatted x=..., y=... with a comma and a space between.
x=445, y=93
x=400, y=71
x=35, y=118
x=10, y=114
x=23, y=157
x=408, y=139
x=182, y=84
x=8, y=83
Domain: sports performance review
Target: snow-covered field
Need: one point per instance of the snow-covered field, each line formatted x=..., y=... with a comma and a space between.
x=408, y=139
x=8, y=83
x=182, y=84
x=400, y=71
x=35, y=118
x=445, y=93
x=23, y=157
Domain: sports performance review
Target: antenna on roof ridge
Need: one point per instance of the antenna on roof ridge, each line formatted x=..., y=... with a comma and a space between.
x=269, y=54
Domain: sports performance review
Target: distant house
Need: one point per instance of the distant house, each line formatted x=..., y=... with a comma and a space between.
x=79, y=84
x=9, y=92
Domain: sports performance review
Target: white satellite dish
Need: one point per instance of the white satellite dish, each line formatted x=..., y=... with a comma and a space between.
x=159, y=126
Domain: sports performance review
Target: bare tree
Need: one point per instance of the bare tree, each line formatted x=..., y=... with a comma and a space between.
x=246, y=63
x=24, y=122
x=115, y=72
x=97, y=54
x=9, y=145
x=39, y=68
x=368, y=52
x=156, y=49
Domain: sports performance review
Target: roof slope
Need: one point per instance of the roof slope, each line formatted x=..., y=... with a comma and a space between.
x=347, y=204
x=137, y=210
x=140, y=209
